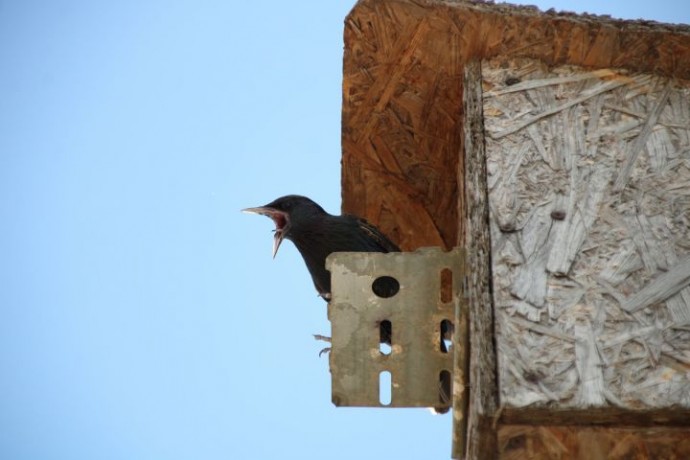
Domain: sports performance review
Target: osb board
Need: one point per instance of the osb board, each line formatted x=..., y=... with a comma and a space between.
x=402, y=95
x=589, y=198
x=561, y=443
x=402, y=119
x=401, y=135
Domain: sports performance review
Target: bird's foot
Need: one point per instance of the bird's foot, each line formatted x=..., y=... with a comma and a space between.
x=323, y=338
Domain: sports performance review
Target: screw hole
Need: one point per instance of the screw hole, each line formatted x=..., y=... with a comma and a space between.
x=446, y=339
x=385, y=286
x=385, y=388
x=444, y=388
x=385, y=337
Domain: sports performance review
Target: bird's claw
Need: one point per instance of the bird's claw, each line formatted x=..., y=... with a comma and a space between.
x=323, y=338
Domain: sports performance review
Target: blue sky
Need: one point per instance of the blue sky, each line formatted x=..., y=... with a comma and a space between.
x=142, y=314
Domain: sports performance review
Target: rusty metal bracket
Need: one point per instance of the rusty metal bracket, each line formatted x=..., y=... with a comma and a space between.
x=417, y=321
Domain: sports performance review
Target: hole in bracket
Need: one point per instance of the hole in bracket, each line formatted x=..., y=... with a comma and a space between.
x=446, y=285
x=385, y=388
x=446, y=339
x=385, y=286
x=444, y=388
x=385, y=337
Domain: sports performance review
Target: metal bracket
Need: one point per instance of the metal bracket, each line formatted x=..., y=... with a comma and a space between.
x=417, y=320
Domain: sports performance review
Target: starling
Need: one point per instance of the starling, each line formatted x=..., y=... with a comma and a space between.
x=316, y=234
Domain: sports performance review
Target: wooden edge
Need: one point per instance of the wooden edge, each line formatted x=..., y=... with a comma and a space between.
x=461, y=345
x=605, y=416
x=481, y=432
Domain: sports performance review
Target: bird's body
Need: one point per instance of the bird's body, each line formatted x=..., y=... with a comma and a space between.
x=316, y=234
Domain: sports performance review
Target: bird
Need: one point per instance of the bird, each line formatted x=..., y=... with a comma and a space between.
x=316, y=234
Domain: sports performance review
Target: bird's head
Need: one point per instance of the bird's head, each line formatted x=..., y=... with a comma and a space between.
x=287, y=212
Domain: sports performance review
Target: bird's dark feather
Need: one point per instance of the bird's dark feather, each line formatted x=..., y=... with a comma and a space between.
x=375, y=235
x=317, y=234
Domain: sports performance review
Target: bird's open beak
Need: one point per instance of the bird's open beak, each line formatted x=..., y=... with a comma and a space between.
x=280, y=218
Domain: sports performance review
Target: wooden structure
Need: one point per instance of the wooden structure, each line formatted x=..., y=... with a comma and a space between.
x=556, y=149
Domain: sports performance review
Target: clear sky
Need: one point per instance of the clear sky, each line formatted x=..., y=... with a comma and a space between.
x=142, y=316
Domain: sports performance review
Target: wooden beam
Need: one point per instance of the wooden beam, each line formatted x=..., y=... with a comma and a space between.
x=483, y=400
x=605, y=416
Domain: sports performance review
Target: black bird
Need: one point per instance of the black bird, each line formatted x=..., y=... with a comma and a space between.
x=316, y=234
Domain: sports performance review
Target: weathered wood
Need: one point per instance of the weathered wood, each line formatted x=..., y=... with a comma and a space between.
x=541, y=82
x=401, y=94
x=518, y=442
x=580, y=213
x=481, y=433
x=678, y=304
x=515, y=127
x=579, y=258
x=608, y=416
x=641, y=140
x=461, y=372
x=581, y=249
x=660, y=288
x=591, y=390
